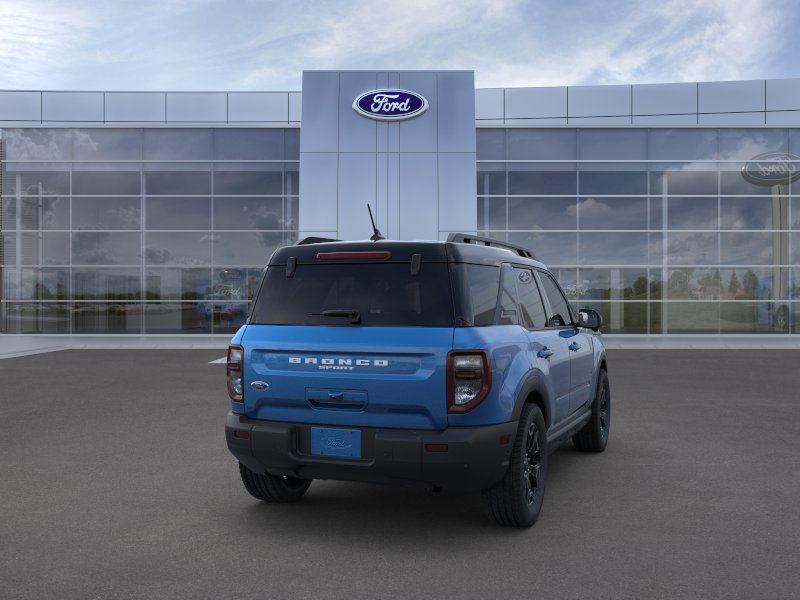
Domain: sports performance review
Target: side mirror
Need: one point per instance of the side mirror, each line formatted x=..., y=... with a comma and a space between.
x=590, y=319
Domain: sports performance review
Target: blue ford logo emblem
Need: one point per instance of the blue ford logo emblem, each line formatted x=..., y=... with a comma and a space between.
x=772, y=168
x=390, y=105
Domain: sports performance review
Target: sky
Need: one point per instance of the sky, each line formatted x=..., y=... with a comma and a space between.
x=263, y=45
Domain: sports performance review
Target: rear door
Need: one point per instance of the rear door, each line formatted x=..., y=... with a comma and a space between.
x=579, y=344
x=382, y=365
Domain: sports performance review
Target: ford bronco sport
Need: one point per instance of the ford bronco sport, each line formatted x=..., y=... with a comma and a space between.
x=457, y=364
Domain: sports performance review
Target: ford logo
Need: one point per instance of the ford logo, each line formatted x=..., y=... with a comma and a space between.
x=772, y=168
x=390, y=105
x=338, y=443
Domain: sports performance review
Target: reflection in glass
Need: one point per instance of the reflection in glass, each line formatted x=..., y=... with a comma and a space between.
x=682, y=144
x=747, y=317
x=491, y=144
x=178, y=317
x=754, y=213
x=38, y=144
x=491, y=179
x=106, y=284
x=107, y=144
x=36, y=284
x=178, y=284
x=178, y=144
x=541, y=213
x=45, y=248
x=612, y=213
x=105, y=213
x=178, y=248
x=692, y=213
x=613, y=182
x=674, y=180
x=44, y=212
x=692, y=248
x=104, y=248
x=174, y=212
x=492, y=213
x=550, y=248
x=522, y=181
x=36, y=317
x=613, y=284
x=620, y=317
x=36, y=183
x=235, y=283
x=693, y=284
x=690, y=317
x=107, y=317
x=245, y=248
x=249, y=182
x=177, y=183
x=755, y=248
x=229, y=317
x=613, y=249
x=612, y=144
x=248, y=213
x=541, y=144
x=248, y=144
x=117, y=183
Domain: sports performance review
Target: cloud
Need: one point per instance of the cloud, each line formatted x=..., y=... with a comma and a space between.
x=206, y=44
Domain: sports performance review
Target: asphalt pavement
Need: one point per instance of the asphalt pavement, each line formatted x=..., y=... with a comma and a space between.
x=115, y=482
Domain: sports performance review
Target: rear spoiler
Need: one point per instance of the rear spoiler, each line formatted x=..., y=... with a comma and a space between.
x=315, y=240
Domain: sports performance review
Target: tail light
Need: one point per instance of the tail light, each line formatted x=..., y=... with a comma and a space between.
x=235, y=373
x=469, y=379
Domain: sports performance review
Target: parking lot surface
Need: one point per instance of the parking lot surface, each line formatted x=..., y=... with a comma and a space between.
x=115, y=482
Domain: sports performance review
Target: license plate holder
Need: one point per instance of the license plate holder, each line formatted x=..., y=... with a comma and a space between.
x=336, y=442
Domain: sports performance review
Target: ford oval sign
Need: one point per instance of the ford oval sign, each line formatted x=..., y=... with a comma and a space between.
x=390, y=105
x=772, y=168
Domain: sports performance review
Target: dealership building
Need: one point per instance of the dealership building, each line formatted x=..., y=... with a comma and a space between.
x=670, y=208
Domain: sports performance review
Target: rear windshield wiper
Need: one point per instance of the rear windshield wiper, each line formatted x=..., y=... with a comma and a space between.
x=353, y=315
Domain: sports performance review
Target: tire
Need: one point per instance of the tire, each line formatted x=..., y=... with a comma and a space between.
x=594, y=435
x=273, y=488
x=516, y=500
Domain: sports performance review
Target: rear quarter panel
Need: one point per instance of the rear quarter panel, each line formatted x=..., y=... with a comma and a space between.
x=507, y=345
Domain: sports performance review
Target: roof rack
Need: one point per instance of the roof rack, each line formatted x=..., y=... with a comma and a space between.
x=465, y=238
x=315, y=240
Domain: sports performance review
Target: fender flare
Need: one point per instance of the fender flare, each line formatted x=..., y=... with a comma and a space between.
x=535, y=382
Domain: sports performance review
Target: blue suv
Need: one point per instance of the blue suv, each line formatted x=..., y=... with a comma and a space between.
x=455, y=364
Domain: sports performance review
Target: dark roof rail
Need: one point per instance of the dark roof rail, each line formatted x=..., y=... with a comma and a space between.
x=465, y=238
x=315, y=240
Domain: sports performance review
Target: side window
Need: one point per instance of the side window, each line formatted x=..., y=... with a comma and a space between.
x=507, y=303
x=530, y=300
x=559, y=315
x=475, y=289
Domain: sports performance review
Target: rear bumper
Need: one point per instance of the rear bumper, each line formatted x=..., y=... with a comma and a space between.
x=475, y=458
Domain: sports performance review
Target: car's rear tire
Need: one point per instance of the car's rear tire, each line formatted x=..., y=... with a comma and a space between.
x=517, y=499
x=273, y=488
x=594, y=435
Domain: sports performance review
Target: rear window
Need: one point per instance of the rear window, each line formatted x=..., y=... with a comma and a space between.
x=383, y=294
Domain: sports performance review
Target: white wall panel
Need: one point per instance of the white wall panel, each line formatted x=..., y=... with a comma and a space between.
x=258, y=106
x=599, y=101
x=664, y=98
x=72, y=106
x=20, y=106
x=132, y=107
x=783, y=94
x=489, y=103
x=730, y=96
x=536, y=103
x=197, y=107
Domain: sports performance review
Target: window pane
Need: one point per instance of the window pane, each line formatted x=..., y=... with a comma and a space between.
x=541, y=144
x=508, y=297
x=291, y=179
x=684, y=183
x=490, y=144
x=621, y=317
x=38, y=144
x=174, y=212
x=291, y=144
x=754, y=283
x=239, y=249
x=693, y=284
x=612, y=213
x=656, y=213
x=248, y=144
x=542, y=213
x=732, y=182
x=34, y=317
x=248, y=213
x=692, y=248
x=491, y=179
x=754, y=213
x=106, y=317
x=36, y=284
x=550, y=248
x=106, y=284
x=559, y=309
x=49, y=248
x=235, y=284
x=107, y=144
x=746, y=144
x=8, y=213
x=118, y=183
x=35, y=183
x=749, y=248
x=229, y=317
x=174, y=248
x=522, y=181
x=747, y=317
x=105, y=213
x=116, y=248
x=690, y=317
x=475, y=288
x=613, y=182
x=692, y=213
x=530, y=300
x=177, y=317
x=178, y=284
x=492, y=213
x=682, y=144
x=613, y=248
x=178, y=144
x=613, y=284
x=44, y=212
x=608, y=144
x=178, y=183
x=249, y=182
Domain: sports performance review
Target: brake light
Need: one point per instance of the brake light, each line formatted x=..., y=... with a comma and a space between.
x=469, y=379
x=234, y=373
x=371, y=255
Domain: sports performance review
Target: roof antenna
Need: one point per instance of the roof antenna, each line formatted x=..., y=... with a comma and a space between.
x=377, y=235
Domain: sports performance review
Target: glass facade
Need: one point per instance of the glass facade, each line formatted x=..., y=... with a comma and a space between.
x=141, y=230
x=657, y=229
